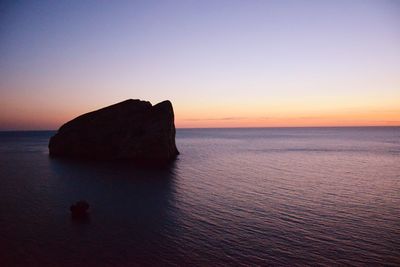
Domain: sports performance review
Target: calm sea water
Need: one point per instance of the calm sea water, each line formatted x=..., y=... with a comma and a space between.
x=299, y=196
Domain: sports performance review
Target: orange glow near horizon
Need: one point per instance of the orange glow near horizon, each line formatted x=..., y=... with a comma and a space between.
x=49, y=117
x=285, y=122
x=290, y=115
x=331, y=120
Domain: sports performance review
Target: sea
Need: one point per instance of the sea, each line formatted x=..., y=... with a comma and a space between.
x=234, y=197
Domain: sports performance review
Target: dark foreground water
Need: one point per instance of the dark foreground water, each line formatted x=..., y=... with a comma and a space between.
x=316, y=196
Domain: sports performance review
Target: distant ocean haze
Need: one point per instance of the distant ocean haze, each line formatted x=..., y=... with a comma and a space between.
x=261, y=196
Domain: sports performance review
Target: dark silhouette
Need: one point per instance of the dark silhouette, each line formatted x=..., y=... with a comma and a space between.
x=130, y=130
x=79, y=210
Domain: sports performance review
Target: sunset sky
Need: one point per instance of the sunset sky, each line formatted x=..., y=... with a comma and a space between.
x=221, y=63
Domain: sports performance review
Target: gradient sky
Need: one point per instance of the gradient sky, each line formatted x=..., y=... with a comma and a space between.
x=221, y=63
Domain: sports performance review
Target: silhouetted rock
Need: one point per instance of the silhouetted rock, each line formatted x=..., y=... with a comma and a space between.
x=130, y=130
x=79, y=209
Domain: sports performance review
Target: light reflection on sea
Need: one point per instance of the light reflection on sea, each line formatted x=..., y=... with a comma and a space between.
x=290, y=196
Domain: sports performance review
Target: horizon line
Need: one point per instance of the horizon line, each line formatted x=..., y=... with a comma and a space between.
x=250, y=127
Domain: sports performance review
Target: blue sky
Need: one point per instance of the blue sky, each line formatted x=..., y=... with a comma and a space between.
x=336, y=62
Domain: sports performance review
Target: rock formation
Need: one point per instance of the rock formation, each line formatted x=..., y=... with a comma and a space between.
x=79, y=209
x=130, y=130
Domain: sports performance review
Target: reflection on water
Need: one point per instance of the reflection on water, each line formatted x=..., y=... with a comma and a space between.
x=238, y=197
x=128, y=204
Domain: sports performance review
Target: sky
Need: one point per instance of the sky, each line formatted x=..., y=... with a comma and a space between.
x=221, y=63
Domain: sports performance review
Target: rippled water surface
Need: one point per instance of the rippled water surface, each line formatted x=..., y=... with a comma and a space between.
x=315, y=196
